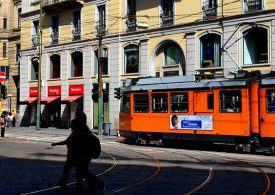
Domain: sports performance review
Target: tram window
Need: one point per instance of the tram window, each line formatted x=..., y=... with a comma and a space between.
x=270, y=100
x=230, y=101
x=159, y=102
x=125, y=103
x=210, y=101
x=141, y=103
x=179, y=102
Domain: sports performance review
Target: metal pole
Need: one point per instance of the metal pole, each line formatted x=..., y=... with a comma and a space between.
x=100, y=82
x=38, y=109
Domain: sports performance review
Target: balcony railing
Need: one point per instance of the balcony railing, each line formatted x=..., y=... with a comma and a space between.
x=76, y=34
x=167, y=18
x=131, y=23
x=35, y=40
x=101, y=28
x=55, y=37
x=210, y=10
x=55, y=5
x=253, y=5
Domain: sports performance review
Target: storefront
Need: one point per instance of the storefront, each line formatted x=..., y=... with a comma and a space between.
x=52, y=105
x=29, y=117
x=73, y=103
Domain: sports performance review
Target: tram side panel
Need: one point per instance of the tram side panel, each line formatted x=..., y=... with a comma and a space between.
x=267, y=112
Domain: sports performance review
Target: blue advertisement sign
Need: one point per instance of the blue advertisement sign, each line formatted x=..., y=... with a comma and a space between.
x=196, y=122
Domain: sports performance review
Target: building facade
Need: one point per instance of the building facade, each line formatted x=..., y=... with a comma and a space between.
x=10, y=11
x=140, y=38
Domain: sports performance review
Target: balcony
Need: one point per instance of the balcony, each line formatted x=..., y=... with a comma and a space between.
x=131, y=23
x=59, y=5
x=101, y=28
x=55, y=36
x=210, y=11
x=167, y=19
x=35, y=40
x=253, y=5
x=76, y=34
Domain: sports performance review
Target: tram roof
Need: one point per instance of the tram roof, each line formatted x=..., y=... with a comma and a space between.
x=182, y=82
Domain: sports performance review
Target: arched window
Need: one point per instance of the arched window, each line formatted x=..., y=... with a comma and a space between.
x=77, y=64
x=210, y=46
x=55, y=66
x=255, y=46
x=104, y=61
x=131, y=59
x=34, y=68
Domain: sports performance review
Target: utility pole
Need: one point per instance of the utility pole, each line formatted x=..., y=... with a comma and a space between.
x=100, y=32
x=38, y=109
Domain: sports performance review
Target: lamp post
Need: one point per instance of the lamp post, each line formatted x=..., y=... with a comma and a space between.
x=38, y=109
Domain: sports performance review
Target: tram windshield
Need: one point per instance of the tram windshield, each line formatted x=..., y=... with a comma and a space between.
x=270, y=100
x=125, y=103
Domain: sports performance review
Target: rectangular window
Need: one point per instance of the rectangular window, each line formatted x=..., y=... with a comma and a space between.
x=230, y=101
x=101, y=21
x=131, y=53
x=4, y=50
x=5, y=23
x=210, y=101
x=17, y=55
x=172, y=56
x=35, y=33
x=77, y=25
x=141, y=103
x=179, y=102
x=131, y=15
x=125, y=103
x=159, y=102
x=19, y=18
x=55, y=29
x=270, y=100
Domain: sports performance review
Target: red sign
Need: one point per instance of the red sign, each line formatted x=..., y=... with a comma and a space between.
x=33, y=91
x=54, y=90
x=76, y=89
x=2, y=76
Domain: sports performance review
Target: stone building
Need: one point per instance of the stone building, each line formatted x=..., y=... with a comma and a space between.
x=141, y=38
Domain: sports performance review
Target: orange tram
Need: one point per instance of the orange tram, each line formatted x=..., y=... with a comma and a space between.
x=238, y=111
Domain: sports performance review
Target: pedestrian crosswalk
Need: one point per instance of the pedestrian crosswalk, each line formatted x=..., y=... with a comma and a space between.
x=38, y=138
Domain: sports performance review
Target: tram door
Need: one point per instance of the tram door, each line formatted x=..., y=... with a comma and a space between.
x=203, y=102
x=267, y=112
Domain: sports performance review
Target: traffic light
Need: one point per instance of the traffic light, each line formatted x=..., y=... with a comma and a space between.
x=3, y=92
x=95, y=91
x=117, y=93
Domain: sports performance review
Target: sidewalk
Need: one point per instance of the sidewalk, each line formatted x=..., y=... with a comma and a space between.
x=50, y=130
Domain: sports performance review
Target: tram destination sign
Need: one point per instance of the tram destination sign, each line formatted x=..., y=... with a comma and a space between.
x=195, y=122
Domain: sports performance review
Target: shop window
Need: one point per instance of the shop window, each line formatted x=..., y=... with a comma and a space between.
x=55, y=66
x=255, y=46
x=230, y=101
x=210, y=51
x=77, y=64
x=172, y=55
x=34, y=68
x=270, y=100
x=125, y=103
x=131, y=53
x=141, y=103
x=159, y=102
x=104, y=61
x=179, y=102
